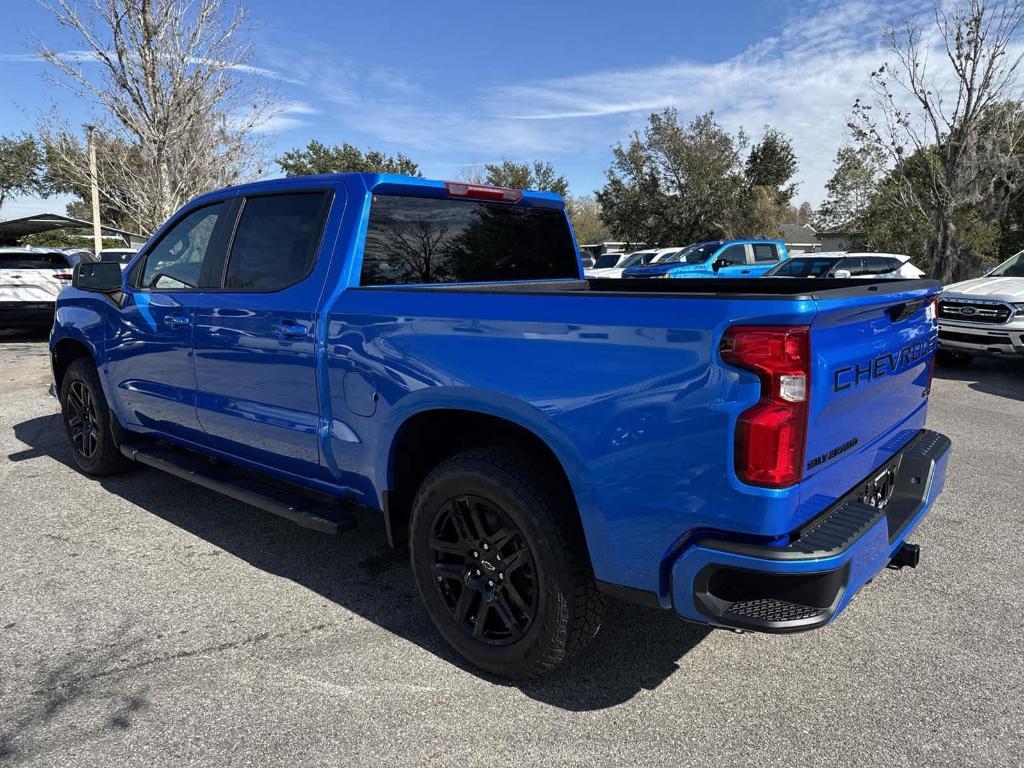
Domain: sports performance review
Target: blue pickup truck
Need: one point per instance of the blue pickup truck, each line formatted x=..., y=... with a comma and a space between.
x=746, y=453
x=716, y=258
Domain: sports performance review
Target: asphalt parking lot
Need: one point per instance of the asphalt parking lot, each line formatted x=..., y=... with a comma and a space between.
x=144, y=621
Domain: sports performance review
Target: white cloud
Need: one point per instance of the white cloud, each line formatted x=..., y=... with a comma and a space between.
x=289, y=116
x=802, y=80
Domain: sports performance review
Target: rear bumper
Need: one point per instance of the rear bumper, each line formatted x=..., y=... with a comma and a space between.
x=26, y=314
x=807, y=582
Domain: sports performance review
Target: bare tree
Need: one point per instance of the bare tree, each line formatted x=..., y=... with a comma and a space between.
x=952, y=130
x=164, y=78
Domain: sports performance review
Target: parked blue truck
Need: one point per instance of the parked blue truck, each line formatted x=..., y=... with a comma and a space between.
x=716, y=258
x=747, y=453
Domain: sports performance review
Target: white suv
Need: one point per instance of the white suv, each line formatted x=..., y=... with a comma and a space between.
x=30, y=280
x=984, y=316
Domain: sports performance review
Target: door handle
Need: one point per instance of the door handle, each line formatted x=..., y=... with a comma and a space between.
x=289, y=329
x=176, y=321
x=744, y=271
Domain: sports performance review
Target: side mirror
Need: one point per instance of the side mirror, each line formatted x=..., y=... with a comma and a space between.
x=841, y=274
x=717, y=264
x=101, y=277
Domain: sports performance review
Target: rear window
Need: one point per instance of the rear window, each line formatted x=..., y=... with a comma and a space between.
x=25, y=260
x=416, y=240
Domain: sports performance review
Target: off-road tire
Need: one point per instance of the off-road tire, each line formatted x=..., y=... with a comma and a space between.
x=568, y=607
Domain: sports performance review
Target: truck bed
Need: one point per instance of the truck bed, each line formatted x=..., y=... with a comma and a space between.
x=788, y=288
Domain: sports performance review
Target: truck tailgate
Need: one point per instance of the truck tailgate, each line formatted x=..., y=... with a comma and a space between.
x=872, y=357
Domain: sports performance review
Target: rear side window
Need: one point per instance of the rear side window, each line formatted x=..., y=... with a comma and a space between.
x=734, y=254
x=765, y=252
x=176, y=262
x=879, y=264
x=855, y=266
x=28, y=260
x=411, y=240
x=276, y=241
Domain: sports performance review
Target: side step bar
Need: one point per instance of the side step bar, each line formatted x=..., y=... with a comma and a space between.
x=279, y=498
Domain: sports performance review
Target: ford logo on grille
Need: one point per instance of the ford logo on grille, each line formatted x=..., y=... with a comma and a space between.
x=967, y=310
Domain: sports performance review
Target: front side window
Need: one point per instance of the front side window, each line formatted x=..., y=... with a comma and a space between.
x=765, y=252
x=853, y=265
x=734, y=254
x=417, y=240
x=177, y=260
x=276, y=241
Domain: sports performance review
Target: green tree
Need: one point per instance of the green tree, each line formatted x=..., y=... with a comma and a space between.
x=955, y=114
x=537, y=175
x=772, y=164
x=21, y=164
x=317, y=157
x=855, y=179
x=585, y=215
x=675, y=183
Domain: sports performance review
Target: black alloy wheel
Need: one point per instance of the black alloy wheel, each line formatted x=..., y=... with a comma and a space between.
x=83, y=420
x=484, y=570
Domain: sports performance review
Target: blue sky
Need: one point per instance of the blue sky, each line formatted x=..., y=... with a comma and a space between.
x=458, y=83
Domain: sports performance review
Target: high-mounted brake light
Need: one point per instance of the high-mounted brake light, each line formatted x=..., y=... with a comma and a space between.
x=770, y=436
x=483, y=192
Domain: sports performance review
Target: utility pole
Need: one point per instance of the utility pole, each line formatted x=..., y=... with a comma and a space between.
x=97, y=235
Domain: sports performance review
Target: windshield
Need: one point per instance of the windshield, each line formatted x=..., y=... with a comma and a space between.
x=697, y=253
x=1012, y=267
x=802, y=268
x=607, y=260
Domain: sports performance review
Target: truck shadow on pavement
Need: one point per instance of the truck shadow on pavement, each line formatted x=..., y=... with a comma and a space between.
x=637, y=648
x=1002, y=378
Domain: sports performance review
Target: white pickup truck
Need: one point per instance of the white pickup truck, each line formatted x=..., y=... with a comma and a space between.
x=984, y=316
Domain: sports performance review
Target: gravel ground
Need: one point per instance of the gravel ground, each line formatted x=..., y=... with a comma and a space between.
x=147, y=622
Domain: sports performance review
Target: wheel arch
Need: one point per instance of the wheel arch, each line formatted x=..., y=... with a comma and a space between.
x=64, y=352
x=423, y=437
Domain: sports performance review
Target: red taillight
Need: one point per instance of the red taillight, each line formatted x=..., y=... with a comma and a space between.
x=483, y=192
x=770, y=436
x=62, y=275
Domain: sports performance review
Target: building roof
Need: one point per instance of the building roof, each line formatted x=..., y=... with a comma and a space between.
x=12, y=229
x=799, y=233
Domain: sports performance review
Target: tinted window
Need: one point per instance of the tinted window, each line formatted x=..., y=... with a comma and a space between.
x=855, y=266
x=177, y=260
x=30, y=260
x=802, y=267
x=764, y=252
x=607, y=260
x=275, y=242
x=427, y=240
x=116, y=257
x=734, y=254
x=876, y=264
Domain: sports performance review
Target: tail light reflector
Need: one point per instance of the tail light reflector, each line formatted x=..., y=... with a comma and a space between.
x=770, y=436
x=62, y=275
x=483, y=192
